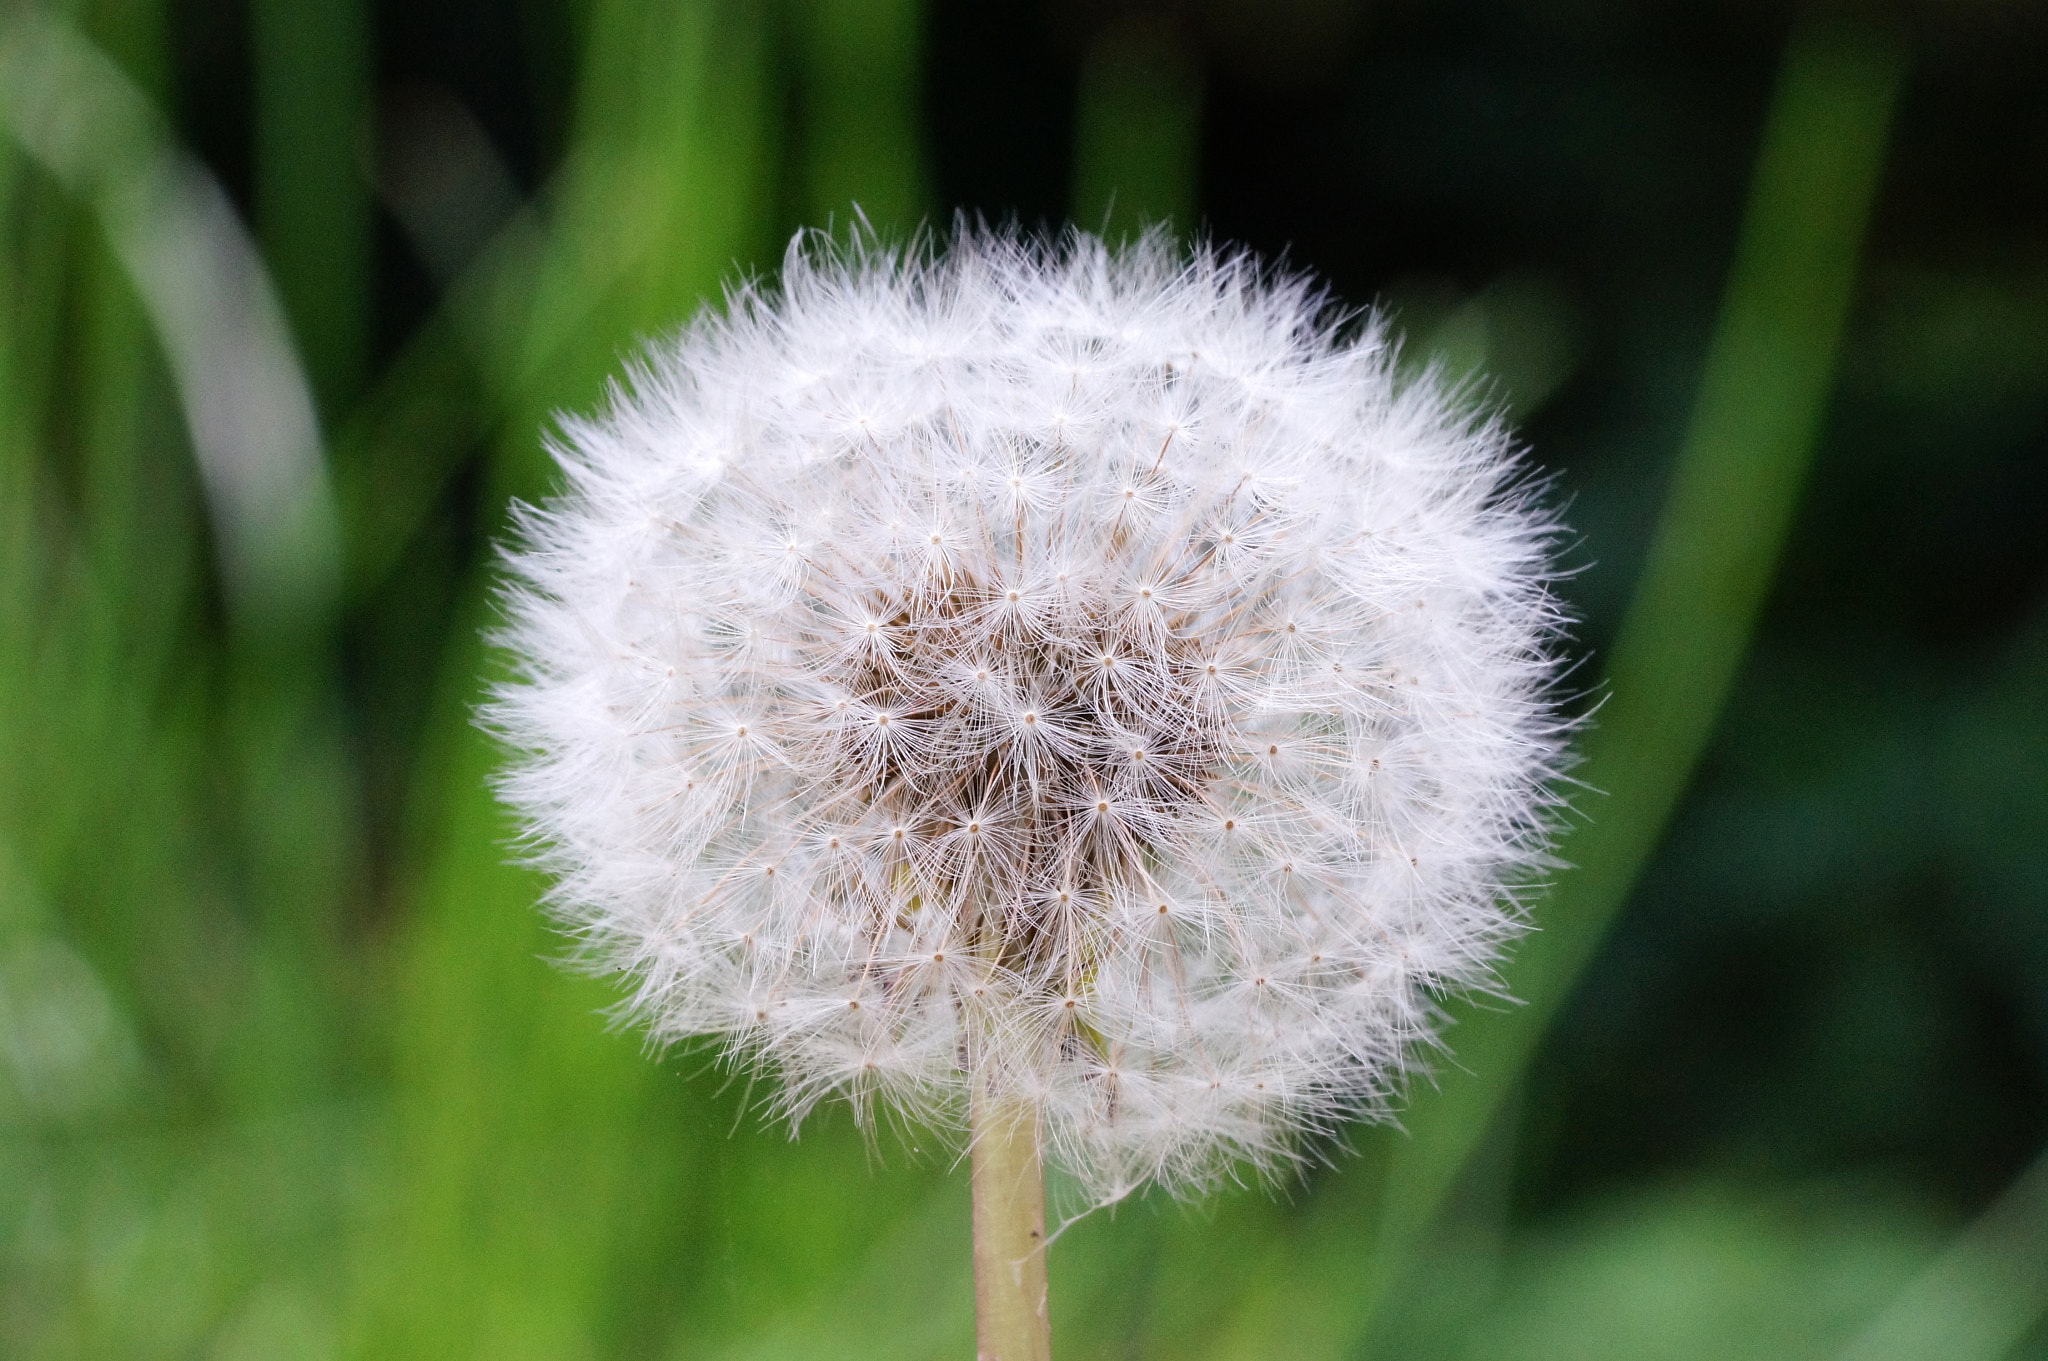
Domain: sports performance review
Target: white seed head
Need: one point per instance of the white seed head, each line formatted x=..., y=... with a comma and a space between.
x=1092, y=673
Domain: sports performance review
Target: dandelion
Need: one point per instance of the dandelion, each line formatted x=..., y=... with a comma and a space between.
x=1086, y=696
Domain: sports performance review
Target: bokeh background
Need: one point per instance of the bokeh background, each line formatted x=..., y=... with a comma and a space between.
x=290, y=289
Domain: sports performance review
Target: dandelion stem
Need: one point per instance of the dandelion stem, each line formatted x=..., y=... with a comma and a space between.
x=1010, y=1319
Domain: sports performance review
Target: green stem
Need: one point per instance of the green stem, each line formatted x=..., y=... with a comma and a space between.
x=860, y=143
x=1137, y=131
x=312, y=88
x=1010, y=1318
x=1982, y=1296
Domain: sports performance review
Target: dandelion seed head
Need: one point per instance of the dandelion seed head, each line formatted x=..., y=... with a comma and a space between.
x=1004, y=665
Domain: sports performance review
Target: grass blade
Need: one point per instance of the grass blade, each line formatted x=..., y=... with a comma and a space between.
x=245, y=397
x=1758, y=416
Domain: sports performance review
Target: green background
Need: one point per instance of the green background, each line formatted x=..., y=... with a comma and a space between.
x=285, y=1069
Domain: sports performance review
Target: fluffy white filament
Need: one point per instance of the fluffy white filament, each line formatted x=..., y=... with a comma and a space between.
x=1095, y=672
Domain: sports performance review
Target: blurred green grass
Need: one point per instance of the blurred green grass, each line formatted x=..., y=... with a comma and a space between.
x=288, y=1071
